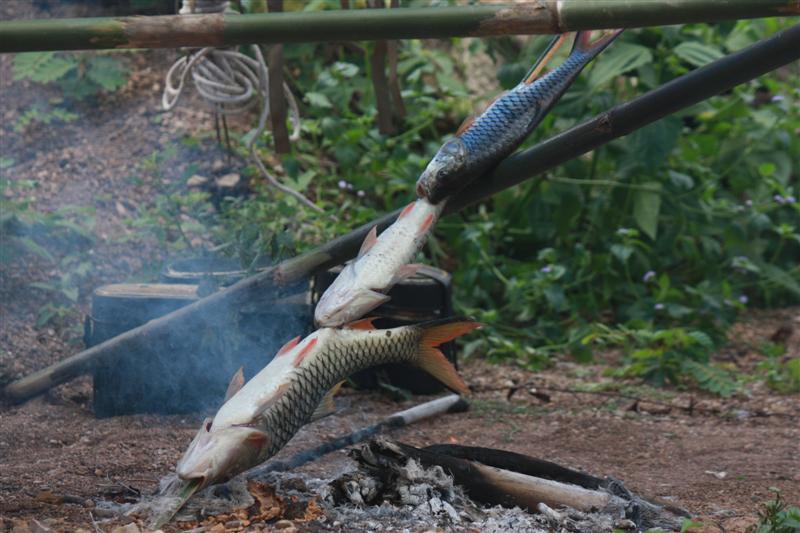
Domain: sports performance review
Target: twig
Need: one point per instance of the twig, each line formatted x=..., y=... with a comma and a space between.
x=690, y=409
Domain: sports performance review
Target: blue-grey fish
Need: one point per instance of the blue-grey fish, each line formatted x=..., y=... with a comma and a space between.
x=484, y=141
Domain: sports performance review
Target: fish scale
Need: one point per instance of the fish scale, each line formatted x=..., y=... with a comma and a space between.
x=313, y=381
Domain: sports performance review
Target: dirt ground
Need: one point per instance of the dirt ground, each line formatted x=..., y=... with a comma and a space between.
x=717, y=459
x=57, y=461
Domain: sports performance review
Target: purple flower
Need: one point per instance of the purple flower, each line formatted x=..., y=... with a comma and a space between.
x=650, y=274
x=342, y=184
x=546, y=269
x=659, y=306
x=743, y=299
x=778, y=98
x=360, y=194
x=790, y=199
x=780, y=199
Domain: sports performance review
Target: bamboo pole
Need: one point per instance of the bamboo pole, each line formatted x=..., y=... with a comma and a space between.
x=694, y=87
x=531, y=17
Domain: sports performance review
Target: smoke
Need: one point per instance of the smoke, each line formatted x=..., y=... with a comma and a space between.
x=95, y=159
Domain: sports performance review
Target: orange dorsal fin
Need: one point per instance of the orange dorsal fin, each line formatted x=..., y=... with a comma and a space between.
x=406, y=210
x=236, y=383
x=288, y=346
x=465, y=125
x=364, y=323
x=305, y=351
x=369, y=241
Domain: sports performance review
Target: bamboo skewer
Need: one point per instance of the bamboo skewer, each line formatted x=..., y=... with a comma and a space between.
x=531, y=17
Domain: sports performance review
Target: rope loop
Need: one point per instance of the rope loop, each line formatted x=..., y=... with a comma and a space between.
x=231, y=82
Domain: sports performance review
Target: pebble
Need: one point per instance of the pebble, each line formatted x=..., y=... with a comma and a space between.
x=228, y=181
x=287, y=526
x=196, y=181
x=130, y=528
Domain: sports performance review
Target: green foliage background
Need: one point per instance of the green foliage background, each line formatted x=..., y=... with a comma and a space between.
x=653, y=243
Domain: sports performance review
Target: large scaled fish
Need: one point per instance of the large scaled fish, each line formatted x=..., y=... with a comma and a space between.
x=382, y=261
x=258, y=420
x=482, y=142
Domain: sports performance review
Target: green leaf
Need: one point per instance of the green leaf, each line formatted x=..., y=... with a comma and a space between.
x=42, y=67
x=106, y=72
x=681, y=181
x=34, y=248
x=347, y=70
x=780, y=277
x=697, y=54
x=646, y=207
x=318, y=100
x=621, y=252
x=620, y=58
x=650, y=146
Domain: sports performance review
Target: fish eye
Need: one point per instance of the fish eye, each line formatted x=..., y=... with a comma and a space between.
x=208, y=425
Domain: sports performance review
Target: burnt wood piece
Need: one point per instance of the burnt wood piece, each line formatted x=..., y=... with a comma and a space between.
x=517, y=462
x=509, y=488
x=487, y=484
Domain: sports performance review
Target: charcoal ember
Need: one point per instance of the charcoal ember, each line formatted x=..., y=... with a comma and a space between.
x=356, y=488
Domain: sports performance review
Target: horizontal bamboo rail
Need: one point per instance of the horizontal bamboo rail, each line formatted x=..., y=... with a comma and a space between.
x=692, y=88
x=531, y=17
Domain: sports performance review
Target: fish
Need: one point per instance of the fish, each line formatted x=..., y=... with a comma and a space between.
x=483, y=141
x=382, y=262
x=297, y=386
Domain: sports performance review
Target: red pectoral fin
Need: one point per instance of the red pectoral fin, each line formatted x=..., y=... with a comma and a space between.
x=426, y=224
x=288, y=346
x=406, y=210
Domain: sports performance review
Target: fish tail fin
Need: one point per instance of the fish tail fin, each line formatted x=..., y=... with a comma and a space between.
x=545, y=58
x=583, y=42
x=432, y=360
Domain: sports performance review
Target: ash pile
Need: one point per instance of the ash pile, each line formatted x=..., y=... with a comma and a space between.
x=390, y=486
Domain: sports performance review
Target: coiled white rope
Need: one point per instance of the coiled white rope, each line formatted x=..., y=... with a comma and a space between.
x=231, y=82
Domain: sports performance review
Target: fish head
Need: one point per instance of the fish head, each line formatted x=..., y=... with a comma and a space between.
x=446, y=166
x=345, y=301
x=337, y=308
x=216, y=455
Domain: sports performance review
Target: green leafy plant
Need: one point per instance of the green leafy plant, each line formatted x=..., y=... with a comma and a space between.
x=780, y=375
x=776, y=516
x=57, y=237
x=77, y=76
x=662, y=237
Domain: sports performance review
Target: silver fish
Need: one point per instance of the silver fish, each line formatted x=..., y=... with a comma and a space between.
x=382, y=261
x=258, y=419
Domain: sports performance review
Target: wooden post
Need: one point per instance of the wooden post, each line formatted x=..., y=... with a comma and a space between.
x=277, y=100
